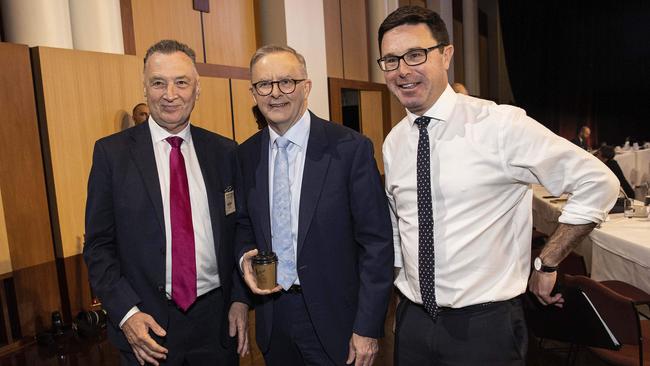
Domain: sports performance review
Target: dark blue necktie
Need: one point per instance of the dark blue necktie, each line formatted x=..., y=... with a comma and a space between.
x=426, y=256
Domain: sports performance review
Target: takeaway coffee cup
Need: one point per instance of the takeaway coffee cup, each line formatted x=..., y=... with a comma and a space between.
x=265, y=265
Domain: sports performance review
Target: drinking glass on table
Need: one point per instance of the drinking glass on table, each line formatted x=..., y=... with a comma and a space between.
x=628, y=208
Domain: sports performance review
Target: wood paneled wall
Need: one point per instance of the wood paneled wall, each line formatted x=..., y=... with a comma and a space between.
x=346, y=39
x=372, y=122
x=213, y=111
x=229, y=30
x=242, y=100
x=154, y=20
x=84, y=97
x=225, y=35
x=24, y=200
x=5, y=259
x=333, y=39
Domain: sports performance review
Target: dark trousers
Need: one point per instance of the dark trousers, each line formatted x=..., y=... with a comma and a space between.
x=194, y=337
x=487, y=334
x=294, y=341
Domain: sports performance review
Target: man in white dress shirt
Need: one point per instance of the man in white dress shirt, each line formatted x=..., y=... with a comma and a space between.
x=458, y=174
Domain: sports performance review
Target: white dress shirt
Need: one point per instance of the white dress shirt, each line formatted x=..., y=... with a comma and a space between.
x=298, y=135
x=207, y=272
x=484, y=157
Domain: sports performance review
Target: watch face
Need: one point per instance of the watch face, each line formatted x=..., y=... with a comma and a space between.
x=537, y=264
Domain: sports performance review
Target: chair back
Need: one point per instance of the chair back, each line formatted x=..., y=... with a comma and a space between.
x=618, y=311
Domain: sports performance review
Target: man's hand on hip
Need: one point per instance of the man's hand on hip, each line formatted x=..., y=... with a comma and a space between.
x=136, y=329
x=362, y=350
x=541, y=284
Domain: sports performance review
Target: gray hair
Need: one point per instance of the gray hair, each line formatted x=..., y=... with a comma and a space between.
x=274, y=48
x=169, y=46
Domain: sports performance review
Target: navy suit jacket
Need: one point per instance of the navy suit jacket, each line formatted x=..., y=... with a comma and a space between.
x=345, y=250
x=125, y=228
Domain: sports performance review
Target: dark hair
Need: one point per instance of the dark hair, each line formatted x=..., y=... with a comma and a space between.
x=607, y=152
x=169, y=46
x=136, y=107
x=415, y=15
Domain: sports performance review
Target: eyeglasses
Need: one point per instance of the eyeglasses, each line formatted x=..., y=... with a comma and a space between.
x=414, y=57
x=286, y=86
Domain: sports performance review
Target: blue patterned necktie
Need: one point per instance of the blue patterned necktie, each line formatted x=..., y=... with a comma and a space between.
x=426, y=255
x=281, y=216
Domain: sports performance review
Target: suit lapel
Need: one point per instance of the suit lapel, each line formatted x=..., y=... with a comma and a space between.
x=261, y=195
x=316, y=163
x=143, y=155
x=209, y=164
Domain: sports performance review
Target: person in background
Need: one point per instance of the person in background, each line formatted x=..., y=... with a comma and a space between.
x=140, y=113
x=606, y=155
x=160, y=227
x=459, y=88
x=313, y=195
x=582, y=138
x=458, y=175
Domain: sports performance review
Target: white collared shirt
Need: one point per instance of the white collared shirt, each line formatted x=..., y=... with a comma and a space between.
x=483, y=159
x=206, y=260
x=298, y=135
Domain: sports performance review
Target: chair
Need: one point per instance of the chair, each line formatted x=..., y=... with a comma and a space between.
x=620, y=314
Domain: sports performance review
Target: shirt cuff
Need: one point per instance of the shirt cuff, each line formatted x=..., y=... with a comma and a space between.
x=128, y=315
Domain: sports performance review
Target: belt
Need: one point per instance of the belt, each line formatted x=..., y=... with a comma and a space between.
x=470, y=308
x=294, y=289
x=199, y=298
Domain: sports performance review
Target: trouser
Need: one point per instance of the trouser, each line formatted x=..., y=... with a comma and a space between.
x=194, y=337
x=484, y=334
x=294, y=340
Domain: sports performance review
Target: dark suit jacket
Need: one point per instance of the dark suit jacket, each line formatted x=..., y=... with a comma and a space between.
x=125, y=228
x=345, y=251
x=582, y=143
x=616, y=169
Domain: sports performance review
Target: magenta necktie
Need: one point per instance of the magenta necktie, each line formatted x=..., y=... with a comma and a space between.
x=180, y=211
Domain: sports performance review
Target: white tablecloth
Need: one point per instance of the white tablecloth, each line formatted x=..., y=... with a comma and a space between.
x=635, y=166
x=618, y=250
x=621, y=251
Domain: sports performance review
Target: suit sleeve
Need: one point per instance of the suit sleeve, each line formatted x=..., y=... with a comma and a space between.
x=100, y=247
x=373, y=234
x=240, y=292
x=244, y=235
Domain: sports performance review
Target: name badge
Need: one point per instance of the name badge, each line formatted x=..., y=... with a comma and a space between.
x=229, y=199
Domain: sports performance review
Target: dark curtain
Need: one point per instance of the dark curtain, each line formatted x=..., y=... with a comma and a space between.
x=574, y=63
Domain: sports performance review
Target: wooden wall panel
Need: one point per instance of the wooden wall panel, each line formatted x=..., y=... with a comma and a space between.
x=230, y=32
x=333, y=41
x=5, y=260
x=355, y=41
x=21, y=169
x=213, y=111
x=37, y=294
x=242, y=100
x=166, y=19
x=85, y=96
x=397, y=111
x=372, y=122
x=78, y=287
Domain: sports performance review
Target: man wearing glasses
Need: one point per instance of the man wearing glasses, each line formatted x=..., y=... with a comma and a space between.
x=312, y=194
x=458, y=174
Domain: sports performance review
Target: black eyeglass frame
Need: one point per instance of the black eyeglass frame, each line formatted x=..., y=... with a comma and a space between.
x=273, y=82
x=401, y=58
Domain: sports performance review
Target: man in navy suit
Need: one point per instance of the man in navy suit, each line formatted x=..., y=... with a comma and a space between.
x=313, y=195
x=160, y=220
